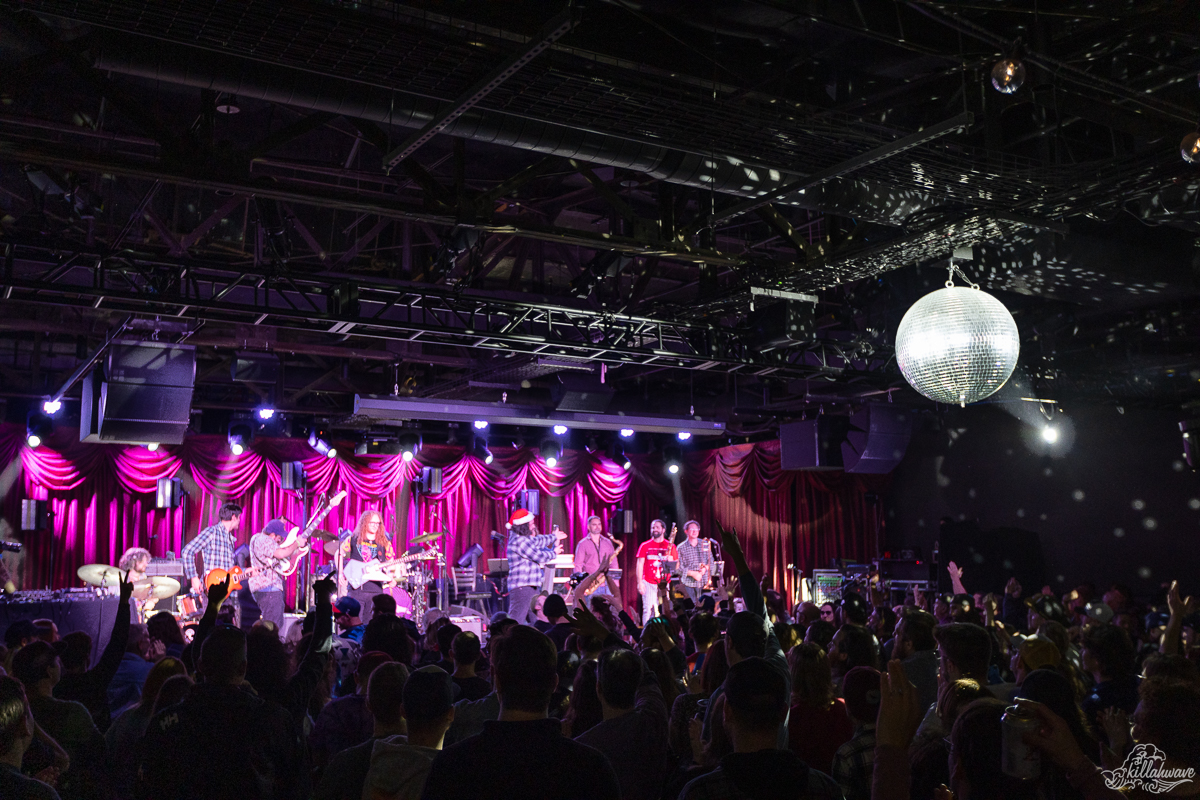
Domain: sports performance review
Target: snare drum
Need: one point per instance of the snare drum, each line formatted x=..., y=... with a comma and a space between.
x=404, y=603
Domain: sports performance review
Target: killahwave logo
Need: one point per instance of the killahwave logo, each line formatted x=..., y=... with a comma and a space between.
x=1145, y=769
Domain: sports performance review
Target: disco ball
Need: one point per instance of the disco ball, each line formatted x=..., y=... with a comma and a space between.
x=1008, y=75
x=957, y=345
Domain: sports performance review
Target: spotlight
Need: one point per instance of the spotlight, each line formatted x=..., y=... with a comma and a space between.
x=410, y=445
x=265, y=413
x=551, y=452
x=481, y=424
x=318, y=440
x=626, y=433
x=683, y=436
x=152, y=447
x=1189, y=148
x=481, y=450
x=38, y=428
x=1050, y=434
x=674, y=460
x=52, y=407
x=240, y=436
x=1008, y=75
x=560, y=430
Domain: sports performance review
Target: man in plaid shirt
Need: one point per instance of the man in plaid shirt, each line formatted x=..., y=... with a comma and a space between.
x=528, y=554
x=695, y=561
x=213, y=545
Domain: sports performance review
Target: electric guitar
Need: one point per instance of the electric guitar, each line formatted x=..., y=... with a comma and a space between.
x=359, y=572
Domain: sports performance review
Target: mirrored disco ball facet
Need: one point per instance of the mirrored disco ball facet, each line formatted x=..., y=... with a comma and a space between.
x=957, y=345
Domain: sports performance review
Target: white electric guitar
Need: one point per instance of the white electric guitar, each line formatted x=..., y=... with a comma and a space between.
x=359, y=572
x=286, y=566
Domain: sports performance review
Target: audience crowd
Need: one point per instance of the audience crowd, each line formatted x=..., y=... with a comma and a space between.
x=869, y=696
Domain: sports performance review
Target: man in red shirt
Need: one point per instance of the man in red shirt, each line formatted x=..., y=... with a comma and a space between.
x=650, y=571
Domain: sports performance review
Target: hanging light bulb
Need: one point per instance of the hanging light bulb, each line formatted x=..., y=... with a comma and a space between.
x=1008, y=75
x=1189, y=148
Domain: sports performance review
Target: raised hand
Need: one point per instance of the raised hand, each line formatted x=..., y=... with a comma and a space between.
x=1179, y=606
x=126, y=588
x=325, y=587
x=1116, y=726
x=955, y=571
x=899, y=712
x=586, y=624
x=1053, y=736
x=218, y=592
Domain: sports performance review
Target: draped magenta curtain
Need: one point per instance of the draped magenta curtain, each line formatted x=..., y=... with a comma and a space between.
x=102, y=499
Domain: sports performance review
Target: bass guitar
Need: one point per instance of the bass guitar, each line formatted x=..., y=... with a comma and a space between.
x=359, y=572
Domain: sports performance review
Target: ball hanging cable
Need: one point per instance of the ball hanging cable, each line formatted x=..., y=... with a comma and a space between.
x=957, y=345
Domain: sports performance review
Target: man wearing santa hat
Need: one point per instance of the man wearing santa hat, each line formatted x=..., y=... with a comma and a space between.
x=528, y=554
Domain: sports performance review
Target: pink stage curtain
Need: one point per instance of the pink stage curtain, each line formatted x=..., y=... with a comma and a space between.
x=102, y=499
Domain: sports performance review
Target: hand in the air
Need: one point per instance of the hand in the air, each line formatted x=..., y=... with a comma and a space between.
x=126, y=588
x=325, y=588
x=1178, y=605
x=586, y=624
x=899, y=712
x=218, y=592
x=955, y=570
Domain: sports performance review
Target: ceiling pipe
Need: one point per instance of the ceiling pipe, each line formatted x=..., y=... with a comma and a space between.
x=203, y=69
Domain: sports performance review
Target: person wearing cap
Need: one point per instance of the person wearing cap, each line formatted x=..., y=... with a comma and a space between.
x=400, y=765
x=1033, y=654
x=37, y=667
x=266, y=584
x=346, y=612
x=854, y=762
x=1042, y=608
x=528, y=554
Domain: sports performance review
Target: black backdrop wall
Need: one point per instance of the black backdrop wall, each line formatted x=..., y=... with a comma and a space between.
x=1116, y=503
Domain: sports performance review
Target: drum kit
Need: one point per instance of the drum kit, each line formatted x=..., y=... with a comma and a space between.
x=104, y=576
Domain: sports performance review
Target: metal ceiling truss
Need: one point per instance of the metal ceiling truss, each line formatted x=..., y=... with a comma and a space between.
x=408, y=312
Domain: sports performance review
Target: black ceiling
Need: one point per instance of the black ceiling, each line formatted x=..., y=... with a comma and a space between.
x=623, y=197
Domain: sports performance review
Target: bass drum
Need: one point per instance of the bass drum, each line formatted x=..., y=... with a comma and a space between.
x=404, y=603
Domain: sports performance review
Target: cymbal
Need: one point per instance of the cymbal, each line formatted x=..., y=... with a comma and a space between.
x=160, y=586
x=99, y=575
x=324, y=536
x=425, y=537
x=331, y=548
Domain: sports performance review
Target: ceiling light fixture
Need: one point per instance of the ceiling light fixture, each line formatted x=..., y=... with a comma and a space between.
x=52, y=406
x=481, y=424
x=626, y=433
x=317, y=440
x=673, y=459
x=152, y=447
x=410, y=445
x=1050, y=434
x=265, y=413
x=38, y=428
x=551, y=452
x=560, y=430
x=684, y=436
x=241, y=434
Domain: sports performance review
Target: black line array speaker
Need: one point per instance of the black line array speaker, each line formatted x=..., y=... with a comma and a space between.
x=530, y=500
x=169, y=493
x=813, y=444
x=142, y=395
x=35, y=515
x=291, y=475
x=877, y=438
x=431, y=480
x=620, y=521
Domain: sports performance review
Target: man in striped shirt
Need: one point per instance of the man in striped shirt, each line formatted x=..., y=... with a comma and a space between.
x=528, y=554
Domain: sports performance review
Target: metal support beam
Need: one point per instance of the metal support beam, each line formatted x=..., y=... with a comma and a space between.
x=550, y=33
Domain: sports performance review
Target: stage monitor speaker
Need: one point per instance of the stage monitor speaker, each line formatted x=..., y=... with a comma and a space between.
x=291, y=476
x=813, y=444
x=144, y=395
x=529, y=499
x=620, y=522
x=35, y=515
x=877, y=439
x=431, y=480
x=169, y=493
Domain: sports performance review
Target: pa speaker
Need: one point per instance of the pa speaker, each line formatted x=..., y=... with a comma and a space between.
x=620, y=522
x=291, y=475
x=813, y=444
x=877, y=438
x=529, y=499
x=144, y=395
x=431, y=480
x=169, y=493
x=35, y=515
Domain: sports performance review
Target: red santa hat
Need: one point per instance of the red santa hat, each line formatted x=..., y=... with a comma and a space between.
x=521, y=516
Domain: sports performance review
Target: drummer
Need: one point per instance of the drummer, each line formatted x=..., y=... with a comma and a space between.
x=135, y=561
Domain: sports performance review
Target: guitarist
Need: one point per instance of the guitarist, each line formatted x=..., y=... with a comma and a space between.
x=695, y=561
x=369, y=542
x=592, y=551
x=266, y=584
x=650, y=571
x=212, y=548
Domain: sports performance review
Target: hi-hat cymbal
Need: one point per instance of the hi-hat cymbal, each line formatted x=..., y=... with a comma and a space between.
x=160, y=586
x=425, y=537
x=99, y=575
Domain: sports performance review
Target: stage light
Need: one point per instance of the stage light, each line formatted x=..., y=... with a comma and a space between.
x=683, y=436
x=560, y=430
x=1189, y=148
x=481, y=450
x=265, y=413
x=551, y=452
x=481, y=424
x=626, y=433
x=1008, y=75
x=332, y=453
x=241, y=434
x=52, y=407
x=38, y=428
x=410, y=445
x=152, y=447
x=235, y=445
x=317, y=440
x=1050, y=434
x=674, y=460
x=673, y=468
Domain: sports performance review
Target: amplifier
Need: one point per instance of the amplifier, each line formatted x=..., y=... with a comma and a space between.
x=905, y=570
x=469, y=622
x=168, y=567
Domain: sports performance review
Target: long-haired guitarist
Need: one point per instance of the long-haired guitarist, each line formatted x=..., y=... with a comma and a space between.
x=267, y=551
x=368, y=542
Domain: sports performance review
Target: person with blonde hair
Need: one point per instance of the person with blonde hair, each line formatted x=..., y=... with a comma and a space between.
x=367, y=542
